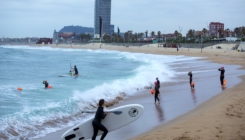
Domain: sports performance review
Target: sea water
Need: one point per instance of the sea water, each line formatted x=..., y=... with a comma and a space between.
x=36, y=111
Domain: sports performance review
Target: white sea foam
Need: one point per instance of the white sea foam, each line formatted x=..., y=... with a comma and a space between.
x=31, y=121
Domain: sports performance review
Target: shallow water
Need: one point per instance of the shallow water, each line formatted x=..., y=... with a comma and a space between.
x=36, y=111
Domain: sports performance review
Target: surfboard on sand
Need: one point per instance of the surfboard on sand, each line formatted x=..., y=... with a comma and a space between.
x=112, y=122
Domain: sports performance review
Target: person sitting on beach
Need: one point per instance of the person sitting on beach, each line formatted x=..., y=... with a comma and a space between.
x=75, y=69
x=45, y=83
x=222, y=75
x=100, y=114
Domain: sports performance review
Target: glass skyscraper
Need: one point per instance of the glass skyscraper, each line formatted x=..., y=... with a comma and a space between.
x=102, y=9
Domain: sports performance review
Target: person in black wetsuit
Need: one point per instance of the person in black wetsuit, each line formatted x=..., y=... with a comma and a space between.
x=158, y=83
x=75, y=69
x=222, y=75
x=190, y=74
x=156, y=95
x=100, y=114
x=45, y=83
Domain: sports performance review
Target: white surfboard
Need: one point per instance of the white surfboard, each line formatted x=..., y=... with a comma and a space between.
x=112, y=122
x=64, y=75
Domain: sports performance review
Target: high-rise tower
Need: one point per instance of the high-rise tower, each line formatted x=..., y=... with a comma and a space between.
x=102, y=9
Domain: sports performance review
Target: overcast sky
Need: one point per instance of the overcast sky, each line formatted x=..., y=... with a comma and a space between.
x=39, y=18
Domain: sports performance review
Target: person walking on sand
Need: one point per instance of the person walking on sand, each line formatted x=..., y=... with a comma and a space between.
x=100, y=114
x=222, y=75
x=157, y=83
x=156, y=95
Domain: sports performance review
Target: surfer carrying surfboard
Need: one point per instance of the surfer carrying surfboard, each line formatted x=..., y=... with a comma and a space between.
x=222, y=75
x=100, y=114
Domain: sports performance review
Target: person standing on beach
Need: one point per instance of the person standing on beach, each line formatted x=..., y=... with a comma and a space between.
x=100, y=114
x=156, y=95
x=190, y=74
x=157, y=83
x=222, y=75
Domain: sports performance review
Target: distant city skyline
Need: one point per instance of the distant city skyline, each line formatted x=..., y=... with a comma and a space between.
x=40, y=18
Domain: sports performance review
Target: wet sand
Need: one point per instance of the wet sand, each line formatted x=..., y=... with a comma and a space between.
x=208, y=112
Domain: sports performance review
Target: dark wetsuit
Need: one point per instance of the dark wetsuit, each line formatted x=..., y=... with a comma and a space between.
x=46, y=84
x=222, y=75
x=76, y=71
x=97, y=123
x=158, y=84
x=190, y=74
x=156, y=94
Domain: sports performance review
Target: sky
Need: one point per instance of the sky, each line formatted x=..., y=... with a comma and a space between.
x=39, y=18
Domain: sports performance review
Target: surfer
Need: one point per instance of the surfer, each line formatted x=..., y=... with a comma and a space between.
x=157, y=83
x=222, y=75
x=100, y=114
x=156, y=94
x=45, y=83
x=190, y=74
x=75, y=69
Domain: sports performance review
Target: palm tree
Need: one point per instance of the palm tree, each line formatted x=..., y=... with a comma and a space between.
x=190, y=33
x=227, y=32
x=237, y=31
x=159, y=34
x=204, y=31
x=146, y=33
x=176, y=33
x=152, y=34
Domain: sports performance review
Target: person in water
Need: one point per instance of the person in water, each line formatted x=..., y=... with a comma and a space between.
x=190, y=74
x=75, y=69
x=100, y=114
x=45, y=83
x=70, y=72
x=157, y=94
x=222, y=75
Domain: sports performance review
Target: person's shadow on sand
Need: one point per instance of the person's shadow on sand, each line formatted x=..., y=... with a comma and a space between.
x=160, y=112
x=193, y=93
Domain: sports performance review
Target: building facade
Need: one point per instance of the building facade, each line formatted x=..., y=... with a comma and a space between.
x=214, y=28
x=102, y=9
x=112, y=29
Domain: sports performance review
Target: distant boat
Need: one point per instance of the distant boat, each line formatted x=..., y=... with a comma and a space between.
x=66, y=34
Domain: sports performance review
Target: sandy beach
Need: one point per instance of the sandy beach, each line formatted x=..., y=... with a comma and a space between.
x=221, y=117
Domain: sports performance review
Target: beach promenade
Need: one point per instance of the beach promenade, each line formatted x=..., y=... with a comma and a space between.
x=221, y=117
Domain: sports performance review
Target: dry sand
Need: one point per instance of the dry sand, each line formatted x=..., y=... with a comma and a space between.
x=221, y=118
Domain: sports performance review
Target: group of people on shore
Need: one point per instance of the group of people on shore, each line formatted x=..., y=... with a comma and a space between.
x=222, y=76
x=192, y=84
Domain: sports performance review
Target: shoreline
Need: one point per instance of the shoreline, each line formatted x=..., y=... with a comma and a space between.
x=213, y=115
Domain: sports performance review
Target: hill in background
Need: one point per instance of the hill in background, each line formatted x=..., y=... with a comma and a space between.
x=77, y=29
